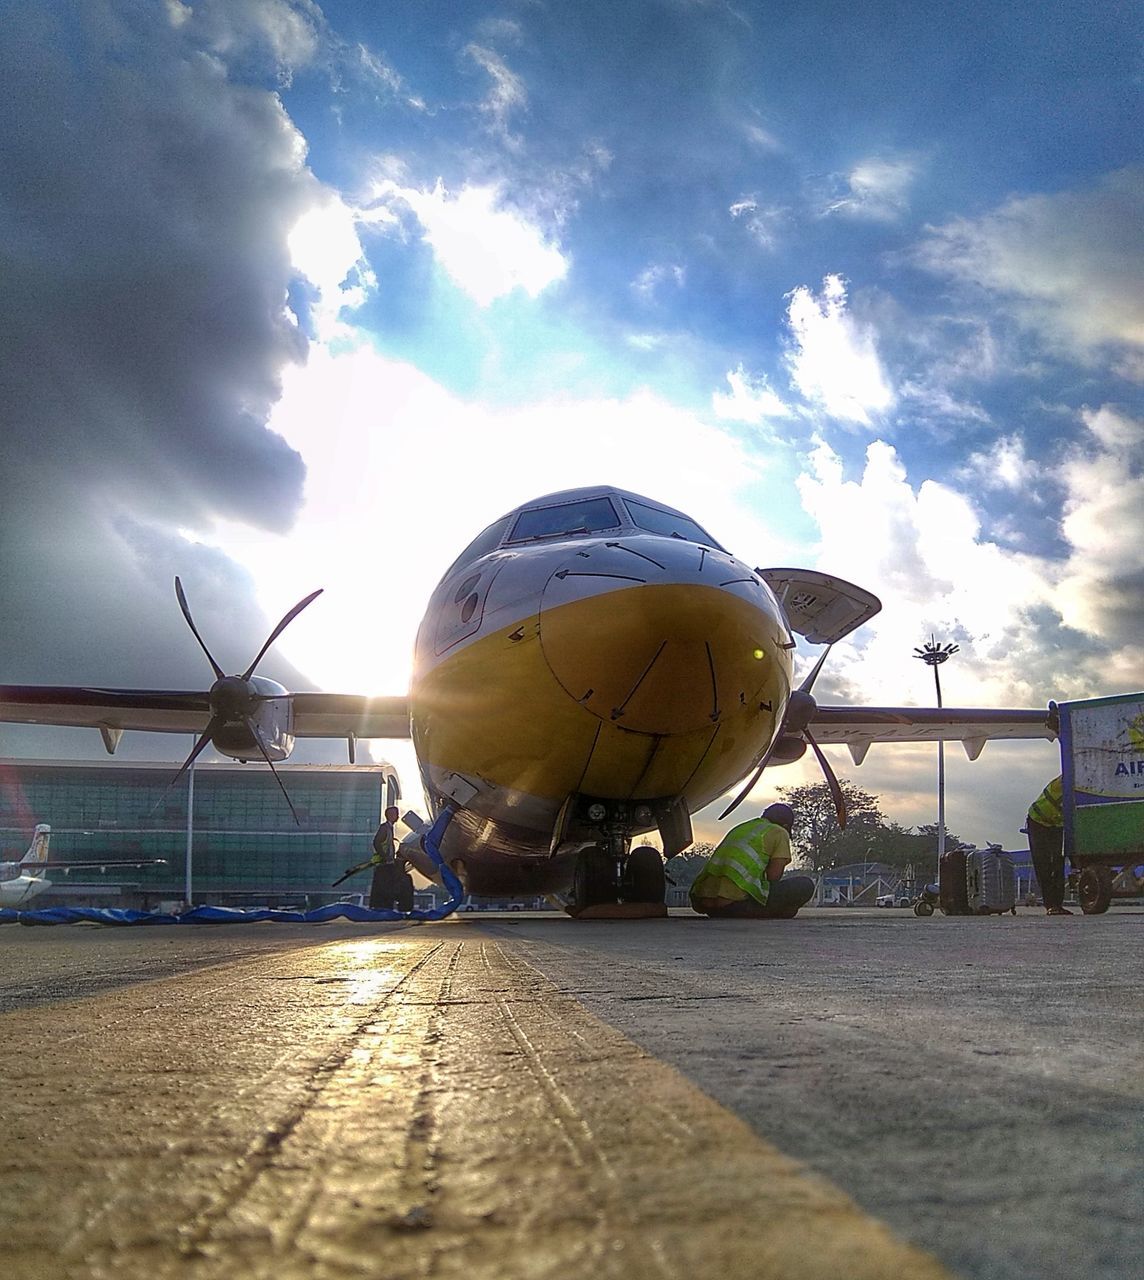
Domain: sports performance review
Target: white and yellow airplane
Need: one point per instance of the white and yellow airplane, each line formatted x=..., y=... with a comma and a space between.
x=23, y=880
x=594, y=666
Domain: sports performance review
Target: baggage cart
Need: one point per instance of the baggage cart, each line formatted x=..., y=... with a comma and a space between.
x=1102, y=755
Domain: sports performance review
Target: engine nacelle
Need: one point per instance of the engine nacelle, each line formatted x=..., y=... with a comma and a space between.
x=789, y=748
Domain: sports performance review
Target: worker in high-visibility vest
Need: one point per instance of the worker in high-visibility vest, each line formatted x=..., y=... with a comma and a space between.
x=744, y=876
x=390, y=886
x=1045, y=827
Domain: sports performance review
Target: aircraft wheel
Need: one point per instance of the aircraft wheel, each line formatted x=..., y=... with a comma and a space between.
x=644, y=879
x=923, y=908
x=593, y=881
x=1094, y=889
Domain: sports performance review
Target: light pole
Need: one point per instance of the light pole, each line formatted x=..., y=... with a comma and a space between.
x=933, y=655
x=190, y=834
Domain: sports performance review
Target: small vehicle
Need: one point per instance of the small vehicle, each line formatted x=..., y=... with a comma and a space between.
x=929, y=898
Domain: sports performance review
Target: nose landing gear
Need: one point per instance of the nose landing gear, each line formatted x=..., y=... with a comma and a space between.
x=610, y=883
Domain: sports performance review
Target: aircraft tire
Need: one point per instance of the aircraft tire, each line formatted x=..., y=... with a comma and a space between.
x=592, y=881
x=644, y=878
x=1094, y=890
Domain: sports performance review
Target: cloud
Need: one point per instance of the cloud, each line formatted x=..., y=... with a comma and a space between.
x=1003, y=465
x=1070, y=265
x=761, y=223
x=762, y=138
x=652, y=278
x=149, y=197
x=506, y=95
x=833, y=357
x=282, y=34
x=752, y=400
x=485, y=247
x=876, y=190
x=1102, y=587
x=325, y=248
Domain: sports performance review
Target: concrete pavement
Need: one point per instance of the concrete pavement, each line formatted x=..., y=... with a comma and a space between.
x=537, y=1096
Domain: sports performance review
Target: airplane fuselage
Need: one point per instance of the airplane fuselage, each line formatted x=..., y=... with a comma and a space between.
x=18, y=888
x=573, y=657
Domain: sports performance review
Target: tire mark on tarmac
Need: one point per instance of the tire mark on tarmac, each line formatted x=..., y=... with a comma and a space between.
x=399, y=1107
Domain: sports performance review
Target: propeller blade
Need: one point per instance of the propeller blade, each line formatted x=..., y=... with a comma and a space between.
x=805, y=687
x=204, y=740
x=289, y=618
x=831, y=780
x=182, y=599
x=738, y=800
x=281, y=786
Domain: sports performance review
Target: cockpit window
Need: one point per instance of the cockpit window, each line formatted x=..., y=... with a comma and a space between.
x=482, y=544
x=668, y=523
x=592, y=515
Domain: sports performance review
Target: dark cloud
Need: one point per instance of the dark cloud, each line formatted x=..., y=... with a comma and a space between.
x=146, y=195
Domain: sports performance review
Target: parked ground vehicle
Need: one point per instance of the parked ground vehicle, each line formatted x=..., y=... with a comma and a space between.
x=1102, y=755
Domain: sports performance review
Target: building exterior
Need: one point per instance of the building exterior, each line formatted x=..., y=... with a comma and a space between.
x=246, y=848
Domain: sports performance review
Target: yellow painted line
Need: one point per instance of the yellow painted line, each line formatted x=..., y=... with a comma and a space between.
x=420, y=1104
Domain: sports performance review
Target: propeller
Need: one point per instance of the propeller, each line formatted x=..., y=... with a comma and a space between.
x=234, y=699
x=796, y=723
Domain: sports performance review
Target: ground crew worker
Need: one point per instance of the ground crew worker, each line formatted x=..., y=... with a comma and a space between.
x=385, y=890
x=743, y=877
x=1045, y=827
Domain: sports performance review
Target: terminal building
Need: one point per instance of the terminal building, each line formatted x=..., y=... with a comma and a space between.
x=245, y=847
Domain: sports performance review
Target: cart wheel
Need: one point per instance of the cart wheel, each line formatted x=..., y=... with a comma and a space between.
x=923, y=908
x=1094, y=889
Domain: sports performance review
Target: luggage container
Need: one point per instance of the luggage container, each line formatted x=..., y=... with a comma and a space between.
x=990, y=883
x=952, y=893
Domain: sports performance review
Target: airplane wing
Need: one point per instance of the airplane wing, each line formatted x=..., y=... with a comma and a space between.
x=858, y=727
x=316, y=715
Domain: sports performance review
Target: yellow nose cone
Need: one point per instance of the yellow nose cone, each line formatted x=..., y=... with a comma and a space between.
x=660, y=658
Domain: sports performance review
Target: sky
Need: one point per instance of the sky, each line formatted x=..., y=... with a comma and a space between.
x=298, y=295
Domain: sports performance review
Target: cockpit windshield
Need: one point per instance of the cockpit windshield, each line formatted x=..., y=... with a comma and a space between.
x=590, y=515
x=656, y=520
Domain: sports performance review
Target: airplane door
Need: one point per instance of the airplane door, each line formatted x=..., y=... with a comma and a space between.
x=463, y=598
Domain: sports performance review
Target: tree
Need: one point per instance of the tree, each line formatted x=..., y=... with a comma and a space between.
x=817, y=839
x=684, y=867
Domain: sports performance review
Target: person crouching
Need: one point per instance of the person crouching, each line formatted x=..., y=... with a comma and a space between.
x=744, y=876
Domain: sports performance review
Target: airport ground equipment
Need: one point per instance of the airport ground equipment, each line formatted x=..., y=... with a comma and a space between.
x=991, y=882
x=1102, y=757
x=927, y=900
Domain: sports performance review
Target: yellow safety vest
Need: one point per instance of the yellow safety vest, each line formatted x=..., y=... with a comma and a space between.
x=742, y=858
x=1048, y=809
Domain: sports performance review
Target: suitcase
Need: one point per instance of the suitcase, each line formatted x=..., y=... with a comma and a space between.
x=990, y=882
x=951, y=882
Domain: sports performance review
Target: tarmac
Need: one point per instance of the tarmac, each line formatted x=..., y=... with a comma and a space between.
x=855, y=1093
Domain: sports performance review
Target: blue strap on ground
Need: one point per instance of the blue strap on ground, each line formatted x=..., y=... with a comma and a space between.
x=235, y=915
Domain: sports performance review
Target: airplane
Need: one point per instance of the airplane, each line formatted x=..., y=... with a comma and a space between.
x=23, y=880
x=592, y=668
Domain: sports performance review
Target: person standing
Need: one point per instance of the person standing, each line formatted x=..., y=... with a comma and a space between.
x=744, y=876
x=1045, y=827
x=391, y=887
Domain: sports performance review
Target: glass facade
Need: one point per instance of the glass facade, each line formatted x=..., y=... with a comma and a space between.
x=246, y=848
